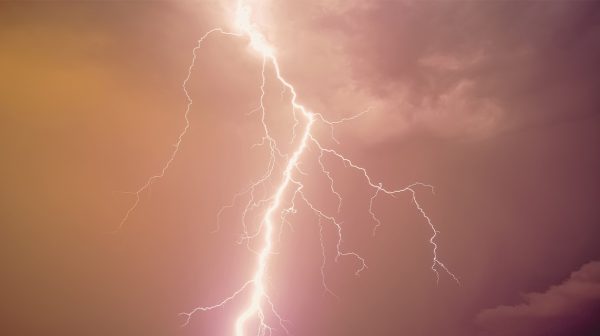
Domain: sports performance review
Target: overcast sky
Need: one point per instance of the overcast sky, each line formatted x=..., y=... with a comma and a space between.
x=495, y=103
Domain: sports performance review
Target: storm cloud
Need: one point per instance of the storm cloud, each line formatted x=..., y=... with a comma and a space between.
x=570, y=308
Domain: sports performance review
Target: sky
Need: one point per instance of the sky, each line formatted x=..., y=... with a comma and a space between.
x=495, y=103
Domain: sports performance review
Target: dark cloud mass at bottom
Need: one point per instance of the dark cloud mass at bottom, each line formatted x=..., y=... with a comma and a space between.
x=494, y=102
x=570, y=308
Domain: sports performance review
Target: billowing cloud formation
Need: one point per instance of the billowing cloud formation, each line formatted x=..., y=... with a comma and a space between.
x=570, y=308
x=452, y=69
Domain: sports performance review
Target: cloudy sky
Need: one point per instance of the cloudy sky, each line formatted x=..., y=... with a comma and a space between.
x=495, y=103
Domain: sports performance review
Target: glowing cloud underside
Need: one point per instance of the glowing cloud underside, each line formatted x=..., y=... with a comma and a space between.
x=260, y=309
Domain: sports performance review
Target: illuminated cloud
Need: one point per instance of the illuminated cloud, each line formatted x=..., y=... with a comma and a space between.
x=461, y=70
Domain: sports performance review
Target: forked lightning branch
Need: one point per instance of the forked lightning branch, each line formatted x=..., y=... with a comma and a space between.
x=257, y=313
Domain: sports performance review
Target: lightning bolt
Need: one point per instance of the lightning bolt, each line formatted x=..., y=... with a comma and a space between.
x=260, y=306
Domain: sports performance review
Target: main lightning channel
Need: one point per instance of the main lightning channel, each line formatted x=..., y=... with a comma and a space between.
x=259, y=297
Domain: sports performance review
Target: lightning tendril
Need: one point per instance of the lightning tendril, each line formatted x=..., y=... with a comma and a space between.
x=260, y=306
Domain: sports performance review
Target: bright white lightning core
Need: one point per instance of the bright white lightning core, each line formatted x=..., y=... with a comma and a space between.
x=260, y=307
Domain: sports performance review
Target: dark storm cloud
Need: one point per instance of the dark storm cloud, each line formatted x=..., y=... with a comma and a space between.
x=474, y=68
x=570, y=308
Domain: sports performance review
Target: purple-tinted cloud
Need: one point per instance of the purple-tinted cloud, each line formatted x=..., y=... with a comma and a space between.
x=452, y=69
x=570, y=308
